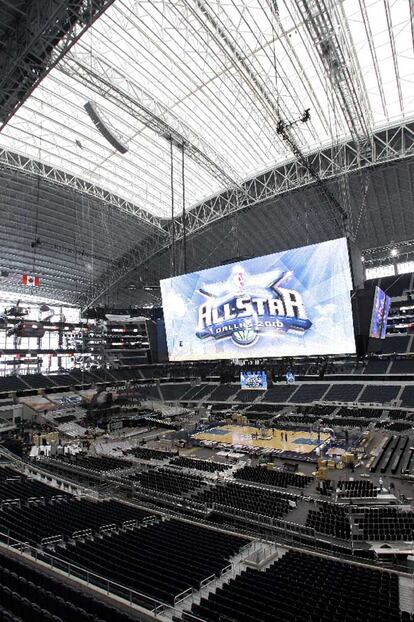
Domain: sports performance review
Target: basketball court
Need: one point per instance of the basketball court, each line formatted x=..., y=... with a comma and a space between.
x=270, y=438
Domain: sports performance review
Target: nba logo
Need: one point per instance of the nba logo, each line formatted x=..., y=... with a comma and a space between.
x=239, y=278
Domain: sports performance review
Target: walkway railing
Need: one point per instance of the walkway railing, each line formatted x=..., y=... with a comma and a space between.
x=133, y=597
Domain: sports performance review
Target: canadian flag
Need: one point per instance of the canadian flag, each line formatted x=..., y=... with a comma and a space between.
x=30, y=279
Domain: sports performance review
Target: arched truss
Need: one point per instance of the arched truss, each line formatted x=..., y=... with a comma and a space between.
x=35, y=36
x=18, y=162
x=217, y=78
x=386, y=147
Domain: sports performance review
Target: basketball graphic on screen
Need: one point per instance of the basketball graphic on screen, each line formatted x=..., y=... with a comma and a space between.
x=244, y=337
x=289, y=303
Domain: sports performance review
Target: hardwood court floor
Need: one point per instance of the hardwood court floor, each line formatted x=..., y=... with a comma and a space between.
x=236, y=435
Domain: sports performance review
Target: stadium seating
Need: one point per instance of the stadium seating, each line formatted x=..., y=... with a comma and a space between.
x=251, y=499
x=145, y=453
x=82, y=377
x=173, y=392
x=305, y=588
x=204, y=392
x=356, y=488
x=376, y=366
x=343, y=392
x=407, y=396
x=14, y=485
x=150, y=372
x=349, y=422
x=96, y=463
x=222, y=392
x=402, y=367
x=28, y=594
x=309, y=392
x=397, y=426
x=197, y=392
x=281, y=479
x=296, y=420
x=38, y=381
x=62, y=380
x=102, y=375
x=247, y=395
x=385, y=523
x=320, y=410
x=279, y=393
x=397, y=344
x=330, y=519
x=199, y=465
x=159, y=561
x=168, y=481
x=12, y=383
x=35, y=522
x=397, y=414
x=364, y=413
x=258, y=409
x=381, y=393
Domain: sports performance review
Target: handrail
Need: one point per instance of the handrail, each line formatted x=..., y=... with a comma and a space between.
x=183, y=595
x=51, y=540
x=6, y=502
x=109, y=527
x=81, y=533
x=207, y=580
x=74, y=570
x=226, y=569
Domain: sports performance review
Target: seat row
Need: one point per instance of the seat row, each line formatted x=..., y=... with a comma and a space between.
x=199, y=465
x=300, y=587
x=332, y=520
x=248, y=498
x=26, y=593
x=282, y=479
x=96, y=463
x=37, y=521
x=159, y=561
x=145, y=453
x=167, y=481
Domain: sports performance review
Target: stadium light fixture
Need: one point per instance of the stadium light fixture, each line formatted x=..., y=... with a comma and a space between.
x=394, y=252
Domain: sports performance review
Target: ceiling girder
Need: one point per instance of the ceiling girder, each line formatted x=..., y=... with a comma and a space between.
x=386, y=146
x=43, y=35
x=33, y=167
x=331, y=39
x=114, y=86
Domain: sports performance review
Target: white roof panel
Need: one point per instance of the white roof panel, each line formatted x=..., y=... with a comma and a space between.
x=225, y=70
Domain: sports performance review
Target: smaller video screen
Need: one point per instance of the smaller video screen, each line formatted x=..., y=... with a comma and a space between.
x=379, y=317
x=253, y=380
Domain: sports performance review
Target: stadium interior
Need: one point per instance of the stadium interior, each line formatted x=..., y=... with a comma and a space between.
x=207, y=311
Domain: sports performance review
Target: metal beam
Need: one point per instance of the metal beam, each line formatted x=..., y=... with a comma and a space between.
x=48, y=29
x=329, y=33
x=386, y=146
x=264, y=95
x=18, y=162
x=111, y=84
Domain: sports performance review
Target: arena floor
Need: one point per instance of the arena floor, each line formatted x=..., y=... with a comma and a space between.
x=236, y=435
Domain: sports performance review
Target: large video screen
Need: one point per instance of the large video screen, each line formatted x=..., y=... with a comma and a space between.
x=293, y=303
x=253, y=380
x=380, y=311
